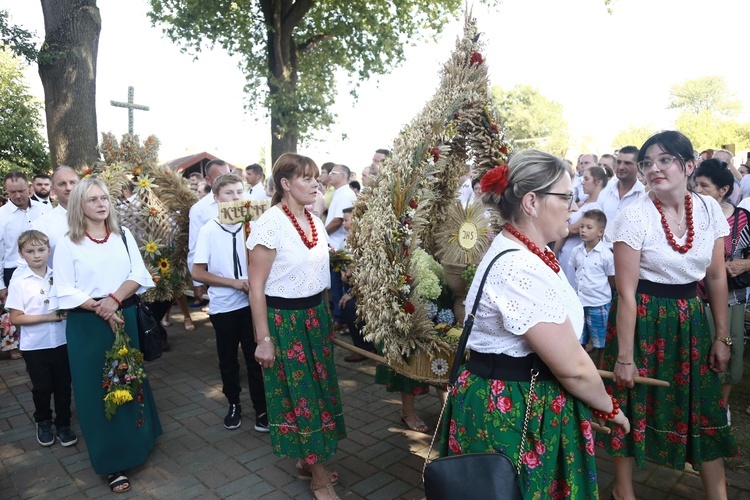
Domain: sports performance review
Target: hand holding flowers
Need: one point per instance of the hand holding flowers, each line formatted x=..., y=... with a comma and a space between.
x=123, y=374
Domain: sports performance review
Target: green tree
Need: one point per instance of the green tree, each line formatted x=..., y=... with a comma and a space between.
x=707, y=93
x=706, y=130
x=531, y=119
x=16, y=39
x=633, y=136
x=22, y=145
x=290, y=50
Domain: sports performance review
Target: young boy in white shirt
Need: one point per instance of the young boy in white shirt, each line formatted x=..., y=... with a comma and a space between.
x=594, y=266
x=220, y=262
x=43, y=342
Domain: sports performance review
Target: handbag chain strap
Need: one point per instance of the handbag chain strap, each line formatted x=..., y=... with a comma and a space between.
x=457, y=362
x=735, y=236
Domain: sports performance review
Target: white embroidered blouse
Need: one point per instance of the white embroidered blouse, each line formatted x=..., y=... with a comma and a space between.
x=639, y=226
x=297, y=271
x=520, y=292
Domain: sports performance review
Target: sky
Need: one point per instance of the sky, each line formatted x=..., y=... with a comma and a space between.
x=609, y=72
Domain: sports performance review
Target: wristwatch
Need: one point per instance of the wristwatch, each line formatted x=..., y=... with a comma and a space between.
x=726, y=340
x=268, y=339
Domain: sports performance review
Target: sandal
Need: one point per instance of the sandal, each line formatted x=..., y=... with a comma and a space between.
x=304, y=473
x=15, y=354
x=328, y=487
x=418, y=424
x=166, y=322
x=189, y=326
x=118, y=482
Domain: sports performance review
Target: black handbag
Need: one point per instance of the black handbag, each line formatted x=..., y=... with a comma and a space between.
x=474, y=475
x=741, y=280
x=148, y=329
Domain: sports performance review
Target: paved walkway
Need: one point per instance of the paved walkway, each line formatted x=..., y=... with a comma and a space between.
x=197, y=458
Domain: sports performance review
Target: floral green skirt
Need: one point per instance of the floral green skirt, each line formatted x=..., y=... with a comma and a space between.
x=302, y=390
x=395, y=382
x=687, y=421
x=558, y=457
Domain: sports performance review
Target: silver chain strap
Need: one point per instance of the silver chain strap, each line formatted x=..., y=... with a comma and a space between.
x=526, y=417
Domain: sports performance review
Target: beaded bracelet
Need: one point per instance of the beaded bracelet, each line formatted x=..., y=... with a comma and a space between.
x=626, y=364
x=607, y=416
x=113, y=297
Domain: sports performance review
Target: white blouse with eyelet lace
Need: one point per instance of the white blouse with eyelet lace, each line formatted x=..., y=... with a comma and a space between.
x=639, y=226
x=296, y=271
x=521, y=291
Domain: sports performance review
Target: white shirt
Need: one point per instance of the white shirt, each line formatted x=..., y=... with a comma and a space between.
x=201, y=212
x=55, y=225
x=296, y=271
x=13, y=222
x=214, y=248
x=610, y=201
x=639, y=226
x=592, y=270
x=32, y=294
x=520, y=292
x=258, y=192
x=343, y=197
x=92, y=270
x=572, y=241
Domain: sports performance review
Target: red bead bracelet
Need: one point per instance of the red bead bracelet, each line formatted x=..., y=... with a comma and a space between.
x=607, y=416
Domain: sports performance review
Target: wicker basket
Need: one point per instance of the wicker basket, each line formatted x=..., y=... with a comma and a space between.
x=424, y=368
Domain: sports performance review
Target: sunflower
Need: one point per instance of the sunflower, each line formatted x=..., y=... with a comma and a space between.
x=151, y=248
x=164, y=266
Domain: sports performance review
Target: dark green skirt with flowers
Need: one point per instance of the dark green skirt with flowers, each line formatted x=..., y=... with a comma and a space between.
x=302, y=390
x=686, y=422
x=487, y=416
x=118, y=444
x=395, y=382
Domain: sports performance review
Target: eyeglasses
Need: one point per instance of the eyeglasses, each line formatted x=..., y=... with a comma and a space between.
x=335, y=172
x=663, y=163
x=567, y=196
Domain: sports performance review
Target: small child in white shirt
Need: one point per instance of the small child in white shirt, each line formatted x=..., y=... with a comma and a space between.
x=43, y=342
x=594, y=266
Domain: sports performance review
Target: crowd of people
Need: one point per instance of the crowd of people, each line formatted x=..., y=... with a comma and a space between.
x=634, y=256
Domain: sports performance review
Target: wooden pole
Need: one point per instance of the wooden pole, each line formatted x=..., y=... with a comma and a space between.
x=637, y=380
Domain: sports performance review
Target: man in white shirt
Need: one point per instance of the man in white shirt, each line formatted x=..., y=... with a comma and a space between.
x=54, y=224
x=728, y=158
x=624, y=190
x=343, y=197
x=41, y=185
x=254, y=179
x=16, y=217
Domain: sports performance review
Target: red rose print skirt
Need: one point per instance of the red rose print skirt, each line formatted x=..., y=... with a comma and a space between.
x=686, y=422
x=487, y=415
x=302, y=390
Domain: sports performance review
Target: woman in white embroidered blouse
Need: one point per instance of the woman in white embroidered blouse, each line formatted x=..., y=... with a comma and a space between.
x=293, y=327
x=664, y=243
x=529, y=316
x=97, y=276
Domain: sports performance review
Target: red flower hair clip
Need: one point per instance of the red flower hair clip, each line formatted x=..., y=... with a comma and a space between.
x=496, y=180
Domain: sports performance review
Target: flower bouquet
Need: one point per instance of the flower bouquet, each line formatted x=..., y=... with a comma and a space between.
x=339, y=260
x=123, y=375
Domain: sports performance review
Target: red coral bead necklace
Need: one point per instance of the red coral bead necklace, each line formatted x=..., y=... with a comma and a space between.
x=668, y=232
x=295, y=223
x=547, y=256
x=101, y=241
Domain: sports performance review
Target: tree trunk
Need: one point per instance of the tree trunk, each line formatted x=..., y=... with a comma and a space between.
x=282, y=17
x=67, y=68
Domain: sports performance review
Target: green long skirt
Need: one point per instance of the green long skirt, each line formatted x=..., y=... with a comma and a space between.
x=685, y=422
x=302, y=390
x=395, y=382
x=117, y=444
x=558, y=456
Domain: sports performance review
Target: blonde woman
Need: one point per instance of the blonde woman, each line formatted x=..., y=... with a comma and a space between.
x=99, y=276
